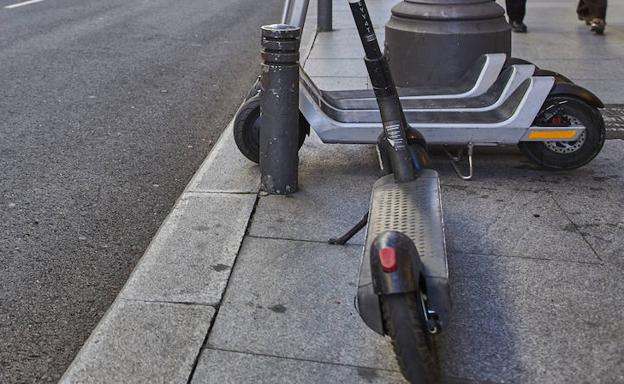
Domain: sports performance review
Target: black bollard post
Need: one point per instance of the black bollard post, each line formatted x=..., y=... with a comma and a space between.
x=324, y=15
x=279, y=108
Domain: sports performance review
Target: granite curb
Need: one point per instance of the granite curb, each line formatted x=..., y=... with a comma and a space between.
x=155, y=328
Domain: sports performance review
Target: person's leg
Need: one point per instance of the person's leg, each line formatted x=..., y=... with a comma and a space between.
x=516, y=10
x=583, y=11
x=599, y=9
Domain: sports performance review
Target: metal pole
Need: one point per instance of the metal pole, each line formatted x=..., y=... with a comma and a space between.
x=279, y=108
x=324, y=15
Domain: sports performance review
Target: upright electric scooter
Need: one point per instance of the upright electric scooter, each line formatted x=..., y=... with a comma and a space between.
x=403, y=287
x=556, y=123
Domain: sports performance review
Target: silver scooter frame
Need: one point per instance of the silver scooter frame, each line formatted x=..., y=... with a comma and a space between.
x=505, y=121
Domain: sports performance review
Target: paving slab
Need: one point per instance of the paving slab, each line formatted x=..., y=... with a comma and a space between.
x=534, y=321
x=335, y=67
x=558, y=41
x=598, y=216
x=334, y=189
x=344, y=20
x=191, y=257
x=341, y=83
x=608, y=94
x=506, y=167
x=220, y=367
x=226, y=169
x=339, y=43
x=511, y=223
x=139, y=342
x=539, y=45
x=295, y=299
x=584, y=68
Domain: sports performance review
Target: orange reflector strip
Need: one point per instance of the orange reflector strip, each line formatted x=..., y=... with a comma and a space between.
x=553, y=134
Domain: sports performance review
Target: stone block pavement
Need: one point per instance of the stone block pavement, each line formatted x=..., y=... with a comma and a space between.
x=241, y=287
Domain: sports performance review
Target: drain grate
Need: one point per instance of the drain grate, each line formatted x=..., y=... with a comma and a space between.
x=613, y=115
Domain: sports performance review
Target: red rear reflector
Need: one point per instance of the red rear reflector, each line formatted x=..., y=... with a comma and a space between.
x=556, y=120
x=387, y=257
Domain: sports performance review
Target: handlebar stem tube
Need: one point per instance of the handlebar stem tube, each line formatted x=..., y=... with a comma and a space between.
x=392, y=116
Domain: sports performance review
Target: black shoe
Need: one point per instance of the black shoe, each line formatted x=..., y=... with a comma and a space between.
x=598, y=26
x=518, y=26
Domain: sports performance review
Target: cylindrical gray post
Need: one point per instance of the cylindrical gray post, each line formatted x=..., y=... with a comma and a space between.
x=324, y=15
x=279, y=108
x=434, y=42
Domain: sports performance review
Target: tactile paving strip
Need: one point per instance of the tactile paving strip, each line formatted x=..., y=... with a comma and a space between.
x=613, y=115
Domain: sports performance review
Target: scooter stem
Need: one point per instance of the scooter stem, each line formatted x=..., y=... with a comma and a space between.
x=392, y=116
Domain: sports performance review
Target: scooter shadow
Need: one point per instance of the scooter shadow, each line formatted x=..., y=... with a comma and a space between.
x=502, y=229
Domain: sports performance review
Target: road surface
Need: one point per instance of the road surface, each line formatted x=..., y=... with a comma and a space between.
x=107, y=108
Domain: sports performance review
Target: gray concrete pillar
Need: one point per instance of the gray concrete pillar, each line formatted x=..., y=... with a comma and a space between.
x=433, y=42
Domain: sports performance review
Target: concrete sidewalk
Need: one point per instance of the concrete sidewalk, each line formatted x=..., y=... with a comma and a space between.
x=241, y=287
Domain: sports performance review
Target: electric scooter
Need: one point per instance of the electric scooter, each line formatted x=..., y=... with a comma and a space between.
x=499, y=101
x=403, y=287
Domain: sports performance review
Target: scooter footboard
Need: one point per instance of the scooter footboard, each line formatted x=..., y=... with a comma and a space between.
x=414, y=209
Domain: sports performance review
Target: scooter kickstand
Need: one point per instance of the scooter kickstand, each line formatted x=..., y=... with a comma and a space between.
x=342, y=240
x=456, y=159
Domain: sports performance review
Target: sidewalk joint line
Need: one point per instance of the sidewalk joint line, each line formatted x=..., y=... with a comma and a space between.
x=260, y=354
x=483, y=187
x=302, y=240
x=225, y=290
x=309, y=49
x=220, y=192
x=188, y=303
x=457, y=252
x=576, y=227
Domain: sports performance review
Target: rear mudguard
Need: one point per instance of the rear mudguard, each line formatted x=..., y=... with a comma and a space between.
x=568, y=89
x=402, y=280
x=559, y=78
x=538, y=71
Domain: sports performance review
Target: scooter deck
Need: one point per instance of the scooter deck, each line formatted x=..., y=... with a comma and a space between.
x=348, y=100
x=413, y=208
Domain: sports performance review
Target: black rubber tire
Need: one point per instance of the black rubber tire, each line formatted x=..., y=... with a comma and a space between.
x=247, y=129
x=405, y=324
x=589, y=116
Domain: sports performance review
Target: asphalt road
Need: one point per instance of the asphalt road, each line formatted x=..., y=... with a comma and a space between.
x=107, y=108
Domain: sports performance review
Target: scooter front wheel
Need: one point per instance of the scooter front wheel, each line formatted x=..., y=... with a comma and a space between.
x=562, y=111
x=247, y=124
x=406, y=325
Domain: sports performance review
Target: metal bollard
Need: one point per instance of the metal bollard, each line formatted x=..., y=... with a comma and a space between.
x=324, y=14
x=279, y=108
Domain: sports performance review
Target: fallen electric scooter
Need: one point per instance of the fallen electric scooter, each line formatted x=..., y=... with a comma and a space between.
x=556, y=123
x=403, y=286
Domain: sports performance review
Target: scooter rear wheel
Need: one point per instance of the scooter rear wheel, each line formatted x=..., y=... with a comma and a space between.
x=405, y=323
x=247, y=128
x=559, y=155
